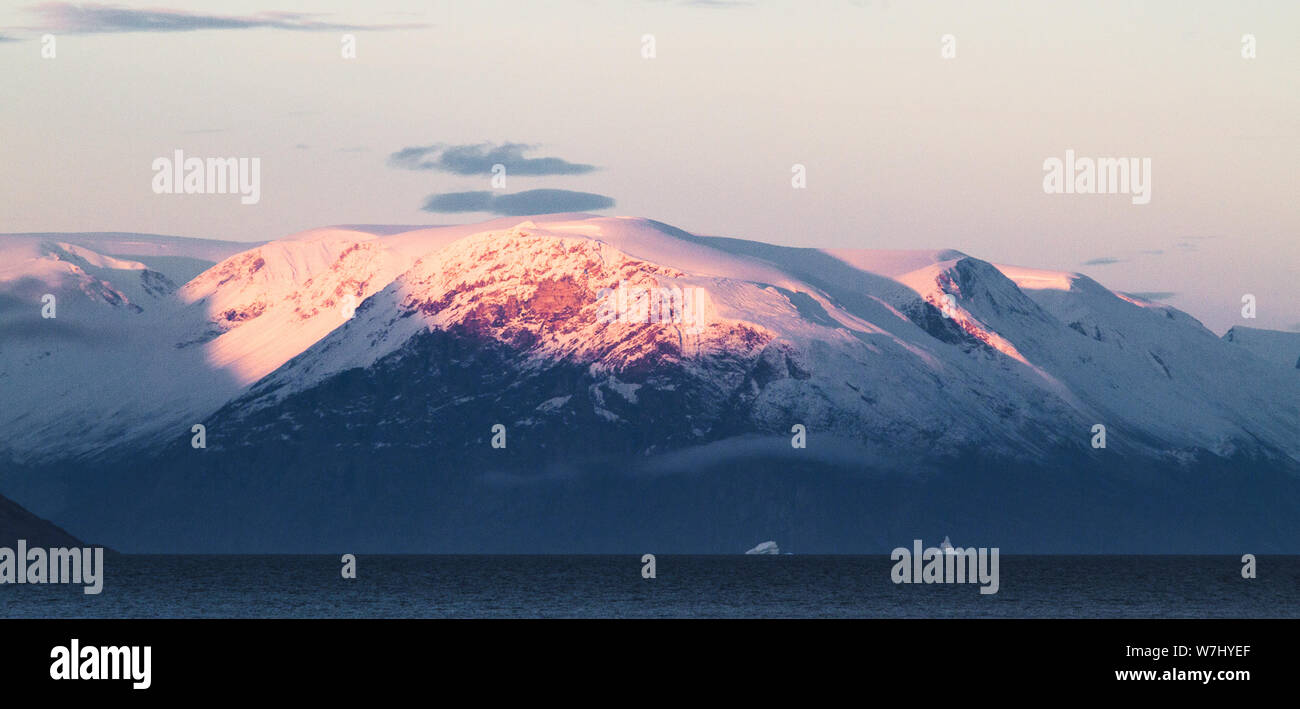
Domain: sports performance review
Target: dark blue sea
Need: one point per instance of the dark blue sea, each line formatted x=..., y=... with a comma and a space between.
x=684, y=587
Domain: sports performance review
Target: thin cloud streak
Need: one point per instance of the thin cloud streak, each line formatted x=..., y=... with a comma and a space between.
x=98, y=18
x=1153, y=295
x=479, y=159
x=519, y=203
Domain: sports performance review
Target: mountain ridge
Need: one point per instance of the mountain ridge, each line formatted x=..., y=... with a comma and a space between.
x=338, y=355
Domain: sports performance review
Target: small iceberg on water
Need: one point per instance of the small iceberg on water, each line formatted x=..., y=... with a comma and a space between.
x=765, y=548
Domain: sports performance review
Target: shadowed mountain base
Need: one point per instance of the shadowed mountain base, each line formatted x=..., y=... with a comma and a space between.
x=387, y=502
x=17, y=523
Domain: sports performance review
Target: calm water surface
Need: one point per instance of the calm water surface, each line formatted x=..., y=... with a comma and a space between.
x=685, y=587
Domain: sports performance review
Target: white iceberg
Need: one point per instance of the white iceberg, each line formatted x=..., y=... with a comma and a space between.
x=765, y=548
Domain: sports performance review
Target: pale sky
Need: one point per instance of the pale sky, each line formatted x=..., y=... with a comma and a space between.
x=903, y=148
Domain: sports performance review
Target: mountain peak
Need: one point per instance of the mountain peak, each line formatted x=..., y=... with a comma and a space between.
x=907, y=350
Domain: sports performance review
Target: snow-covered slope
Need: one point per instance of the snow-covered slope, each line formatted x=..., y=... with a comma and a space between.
x=1281, y=348
x=77, y=371
x=255, y=310
x=909, y=353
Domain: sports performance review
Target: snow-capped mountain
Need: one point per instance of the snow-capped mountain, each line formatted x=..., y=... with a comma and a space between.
x=915, y=350
x=593, y=339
